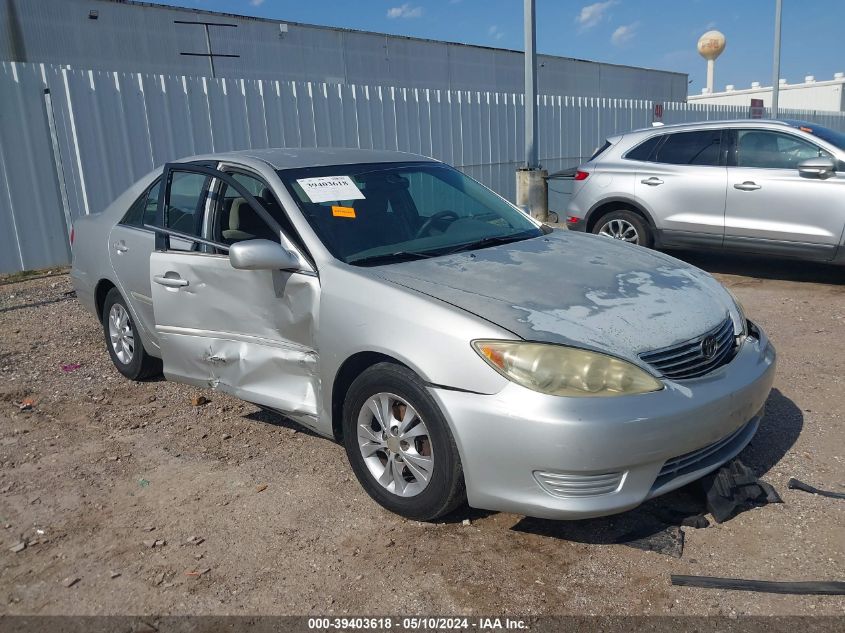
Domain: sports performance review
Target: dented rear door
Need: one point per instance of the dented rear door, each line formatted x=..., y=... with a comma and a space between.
x=249, y=333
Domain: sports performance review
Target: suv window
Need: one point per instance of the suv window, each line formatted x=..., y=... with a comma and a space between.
x=774, y=150
x=690, y=148
x=143, y=210
x=600, y=150
x=644, y=150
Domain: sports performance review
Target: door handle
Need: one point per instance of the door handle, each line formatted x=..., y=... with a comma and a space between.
x=747, y=186
x=120, y=247
x=170, y=282
x=652, y=182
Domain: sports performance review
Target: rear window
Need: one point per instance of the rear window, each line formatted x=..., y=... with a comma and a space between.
x=600, y=150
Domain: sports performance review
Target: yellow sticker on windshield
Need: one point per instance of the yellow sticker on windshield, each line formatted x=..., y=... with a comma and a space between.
x=343, y=212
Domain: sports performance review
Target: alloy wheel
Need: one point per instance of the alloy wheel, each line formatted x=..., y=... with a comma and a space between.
x=395, y=444
x=619, y=229
x=121, y=334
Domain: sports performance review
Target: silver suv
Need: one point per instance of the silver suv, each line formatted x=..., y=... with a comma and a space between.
x=769, y=187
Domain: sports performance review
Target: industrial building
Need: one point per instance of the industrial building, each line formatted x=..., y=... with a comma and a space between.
x=119, y=35
x=812, y=94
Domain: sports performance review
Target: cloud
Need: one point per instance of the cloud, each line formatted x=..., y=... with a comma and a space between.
x=495, y=32
x=624, y=34
x=405, y=11
x=592, y=14
x=256, y=3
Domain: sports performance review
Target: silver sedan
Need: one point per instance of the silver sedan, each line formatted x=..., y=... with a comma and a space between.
x=460, y=350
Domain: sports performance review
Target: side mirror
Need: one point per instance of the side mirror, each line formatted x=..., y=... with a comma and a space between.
x=817, y=168
x=262, y=255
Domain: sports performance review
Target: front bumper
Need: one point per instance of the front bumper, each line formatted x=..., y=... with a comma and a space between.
x=573, y=458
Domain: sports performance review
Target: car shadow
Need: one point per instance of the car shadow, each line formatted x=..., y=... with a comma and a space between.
x=779, y=430
x=268, y=416
x=762, y=267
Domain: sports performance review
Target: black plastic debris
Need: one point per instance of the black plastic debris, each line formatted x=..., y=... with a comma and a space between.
x=813, y=588
x=734, y=488
x=795, y=484
x=698, y=522
x=668, y=541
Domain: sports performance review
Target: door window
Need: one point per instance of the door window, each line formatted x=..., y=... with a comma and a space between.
x=235, y=220
x=644, y=150
x=186, y=203
x=764, y=149
x=690, y=148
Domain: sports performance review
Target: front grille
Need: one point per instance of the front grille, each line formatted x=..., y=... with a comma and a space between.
x=688, y=359
x=715, y=453
x=576, y=485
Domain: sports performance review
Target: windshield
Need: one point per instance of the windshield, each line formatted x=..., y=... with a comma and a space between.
x=826, y=134
x=377, y=213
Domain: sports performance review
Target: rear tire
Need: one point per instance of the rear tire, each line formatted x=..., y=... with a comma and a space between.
x=124, y=342
x=399, y=444
x=625, y=225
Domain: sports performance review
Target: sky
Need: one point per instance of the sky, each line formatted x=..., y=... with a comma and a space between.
x=650, y=33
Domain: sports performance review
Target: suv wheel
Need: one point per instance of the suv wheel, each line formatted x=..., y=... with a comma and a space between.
x=624, y=225
x=400, y=446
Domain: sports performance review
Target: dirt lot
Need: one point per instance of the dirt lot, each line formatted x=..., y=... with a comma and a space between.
x=100, y=465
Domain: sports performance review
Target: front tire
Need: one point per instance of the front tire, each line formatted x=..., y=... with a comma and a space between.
x=123, y=340
x=626, y=226
x=399, y=444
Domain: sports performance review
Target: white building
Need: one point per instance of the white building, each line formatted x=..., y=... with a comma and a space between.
x=810, y=95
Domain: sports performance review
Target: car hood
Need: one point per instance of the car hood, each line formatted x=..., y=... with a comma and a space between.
x=575, y=289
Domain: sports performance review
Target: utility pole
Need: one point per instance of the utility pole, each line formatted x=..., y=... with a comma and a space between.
x=776, y=62
x=532, y=192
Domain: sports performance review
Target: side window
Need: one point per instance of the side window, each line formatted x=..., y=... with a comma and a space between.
x=186, y=204
x=644, y=150
x=235, y=220
x=143, y=210
x=690, y=148
x=773, y=150
x=151, y=203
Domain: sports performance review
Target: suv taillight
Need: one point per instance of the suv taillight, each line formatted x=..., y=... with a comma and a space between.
x=581, y=175
x=72, y=234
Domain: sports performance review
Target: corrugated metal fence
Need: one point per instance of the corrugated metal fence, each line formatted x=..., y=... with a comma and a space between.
x=73, y=140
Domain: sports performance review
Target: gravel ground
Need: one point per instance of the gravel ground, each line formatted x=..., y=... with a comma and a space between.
x=130, y=500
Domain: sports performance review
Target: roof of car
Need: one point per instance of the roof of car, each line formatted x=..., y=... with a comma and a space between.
x=718, y=123
x=293, y=158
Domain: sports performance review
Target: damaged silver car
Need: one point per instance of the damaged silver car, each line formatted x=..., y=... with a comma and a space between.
x=459, y=349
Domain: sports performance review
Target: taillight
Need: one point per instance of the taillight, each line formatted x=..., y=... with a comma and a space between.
x=72, y=235
x=581, y=175
x=572, y=220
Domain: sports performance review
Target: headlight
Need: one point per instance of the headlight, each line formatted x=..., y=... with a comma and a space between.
x=743, y=329
x=565, y=371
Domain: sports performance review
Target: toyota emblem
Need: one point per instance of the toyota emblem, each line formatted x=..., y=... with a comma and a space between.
x=709, y=347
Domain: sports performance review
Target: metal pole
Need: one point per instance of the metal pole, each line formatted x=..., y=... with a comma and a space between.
x=208, y=47
x=531, y=160
x=532, y=189
x=776, y=62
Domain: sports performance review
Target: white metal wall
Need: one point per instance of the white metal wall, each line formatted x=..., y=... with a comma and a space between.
x=111, y=128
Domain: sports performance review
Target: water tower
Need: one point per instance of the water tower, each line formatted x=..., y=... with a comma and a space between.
x=710, y=46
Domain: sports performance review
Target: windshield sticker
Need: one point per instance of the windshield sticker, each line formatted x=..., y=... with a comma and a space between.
x=343, y=212
x=329, y=188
